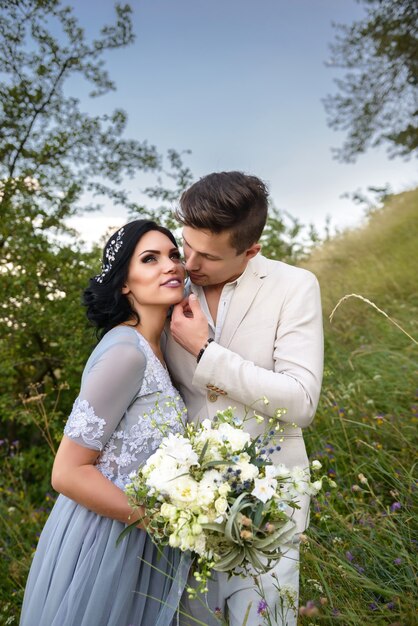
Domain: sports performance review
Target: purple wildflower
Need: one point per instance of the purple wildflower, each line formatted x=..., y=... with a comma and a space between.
x=397, y=561
x=395, y=506
x=349, y=556
x=262, y=607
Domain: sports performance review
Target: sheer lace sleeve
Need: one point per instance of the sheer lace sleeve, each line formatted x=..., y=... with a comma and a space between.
x=111, y=381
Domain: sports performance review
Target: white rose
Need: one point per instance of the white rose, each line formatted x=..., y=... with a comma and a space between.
x=184, y=489
x=316, y=465
x=224, y=489
x=234, y=437
x=162, y=477
x=221, y=505
x=168, y=510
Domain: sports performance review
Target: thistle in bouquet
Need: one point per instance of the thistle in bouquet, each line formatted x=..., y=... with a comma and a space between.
x=214, y=491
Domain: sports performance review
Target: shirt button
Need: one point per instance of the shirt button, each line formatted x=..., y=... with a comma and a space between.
x=212, y=396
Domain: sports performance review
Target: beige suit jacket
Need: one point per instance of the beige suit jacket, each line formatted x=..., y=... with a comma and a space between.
x=271, y=346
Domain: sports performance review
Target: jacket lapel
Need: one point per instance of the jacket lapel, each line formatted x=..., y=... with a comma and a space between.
x=244, y=295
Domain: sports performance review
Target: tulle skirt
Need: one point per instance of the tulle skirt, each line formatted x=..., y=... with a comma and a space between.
x=80, y=577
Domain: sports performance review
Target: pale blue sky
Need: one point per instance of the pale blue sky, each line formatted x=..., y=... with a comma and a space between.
x=239, y=82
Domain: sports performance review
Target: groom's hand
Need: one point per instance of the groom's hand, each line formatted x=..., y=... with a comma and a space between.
x=189, y=325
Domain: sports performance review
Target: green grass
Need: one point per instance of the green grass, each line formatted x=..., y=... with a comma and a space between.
x=359, y=557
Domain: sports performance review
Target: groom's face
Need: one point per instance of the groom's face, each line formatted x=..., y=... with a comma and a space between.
x=211, y=259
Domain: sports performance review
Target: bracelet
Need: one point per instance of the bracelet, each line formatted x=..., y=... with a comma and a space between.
x=199, y=356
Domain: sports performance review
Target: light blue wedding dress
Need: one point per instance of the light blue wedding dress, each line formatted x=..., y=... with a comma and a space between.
x=79, y=576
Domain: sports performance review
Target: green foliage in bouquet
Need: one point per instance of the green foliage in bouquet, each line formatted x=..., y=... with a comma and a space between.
x=216, y=493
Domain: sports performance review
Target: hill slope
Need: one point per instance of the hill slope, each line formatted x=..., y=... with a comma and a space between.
x=365, y=430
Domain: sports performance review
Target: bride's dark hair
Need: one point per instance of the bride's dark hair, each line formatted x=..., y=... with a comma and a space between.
x=106, y=305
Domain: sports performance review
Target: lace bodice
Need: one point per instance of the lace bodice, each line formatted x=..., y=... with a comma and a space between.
x=126, y=403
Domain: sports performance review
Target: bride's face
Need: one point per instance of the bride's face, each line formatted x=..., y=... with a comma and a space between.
x=156, y=273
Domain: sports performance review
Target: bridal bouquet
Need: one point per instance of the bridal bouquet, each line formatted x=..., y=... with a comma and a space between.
x=215, y=492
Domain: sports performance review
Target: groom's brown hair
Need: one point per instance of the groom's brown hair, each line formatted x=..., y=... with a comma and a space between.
x=231, y=201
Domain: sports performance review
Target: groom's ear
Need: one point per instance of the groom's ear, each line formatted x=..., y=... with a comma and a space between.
x=252, y=251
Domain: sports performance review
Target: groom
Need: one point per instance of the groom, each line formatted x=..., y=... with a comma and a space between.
x=252, y=329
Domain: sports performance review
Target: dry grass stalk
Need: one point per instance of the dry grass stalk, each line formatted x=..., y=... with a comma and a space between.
x=372, y=304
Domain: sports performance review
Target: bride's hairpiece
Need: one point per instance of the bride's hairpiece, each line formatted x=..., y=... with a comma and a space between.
x=110, y=253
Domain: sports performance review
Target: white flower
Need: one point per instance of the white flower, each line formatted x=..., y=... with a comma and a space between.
x=208, y=487
x=196, y=529
x=211, y=478
x=224, y=489
x=221, y=505
x=187, y=538
x=298, y=473
x=235, y=438
x=300, y=486
x=32, y=184
x=184, y=490
x=205, y=495
x=200, y=544
x=264, y=488
x=288, y=593
x=280, y=470
x=271, y=471
x=174, y=540
x=248, y=470
x=162, y=477
x=179, y=448
x=316, y=486
x=168, y=510
x=316, y=465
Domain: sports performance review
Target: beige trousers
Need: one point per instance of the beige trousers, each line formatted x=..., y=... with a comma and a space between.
x=236, y=597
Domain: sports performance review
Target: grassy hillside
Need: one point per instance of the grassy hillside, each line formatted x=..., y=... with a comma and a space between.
x=358, y=558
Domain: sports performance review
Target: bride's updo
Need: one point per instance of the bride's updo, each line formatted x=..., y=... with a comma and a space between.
x=106, y=305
